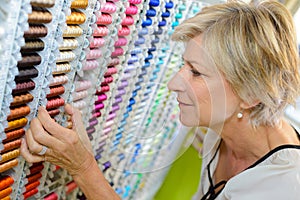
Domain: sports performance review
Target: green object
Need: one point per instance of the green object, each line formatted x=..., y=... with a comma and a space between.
x=182, y=181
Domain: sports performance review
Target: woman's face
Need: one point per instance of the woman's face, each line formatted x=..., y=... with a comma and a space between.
x=205, y=98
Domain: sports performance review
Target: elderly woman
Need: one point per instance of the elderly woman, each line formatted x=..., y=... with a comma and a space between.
x=240, y=72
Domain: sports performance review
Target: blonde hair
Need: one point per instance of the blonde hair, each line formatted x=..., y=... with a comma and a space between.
x=254, y=45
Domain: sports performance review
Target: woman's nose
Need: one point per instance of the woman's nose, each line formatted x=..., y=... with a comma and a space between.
x=177, y=83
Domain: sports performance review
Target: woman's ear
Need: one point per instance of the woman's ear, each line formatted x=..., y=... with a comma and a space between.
x=248, y=105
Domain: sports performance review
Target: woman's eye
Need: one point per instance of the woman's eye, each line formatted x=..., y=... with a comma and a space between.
x=195, y=73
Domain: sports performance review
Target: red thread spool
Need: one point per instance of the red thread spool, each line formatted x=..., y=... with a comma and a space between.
x=54, y=103
x=131, y=10
x=104, y=19
x=52, y=196
x=34, y=177
x=124, y=31
x=30, y=193
x=11, y=135
x=54, y=112
x=128, y=20
x=70, y=187
x=30, y=186
x=5, y=182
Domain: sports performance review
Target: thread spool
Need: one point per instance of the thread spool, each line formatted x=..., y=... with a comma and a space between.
x=79, y=4
x=76, y=18
x=8, y=165
x=36, y=31
x=104, y=19
x=73, y=31
x=39, y=17
x=9, y=155
x=5, y=192
x=6, y=181
x=21, y=99
x=42, y=3
x=18, y=112
x=23, y=87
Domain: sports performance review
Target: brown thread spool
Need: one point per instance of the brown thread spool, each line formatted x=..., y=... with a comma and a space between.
x=79, y=4
x=39, y=17
x=35, y=168
x=31, y=46
x=18, y=112
x=34, y=177
x=13, y=135
x=6, y=181
x=11, y=145
x=10, y=155
x=8, y=165
x=22, y=99
x=55, y=91
x=36, y=31
x=23, y=87
x=42, y=3
x=76, y=18
x=18, y=123
x=7, y=191
x=29, y=60
x=73, y=31
x=25, y=74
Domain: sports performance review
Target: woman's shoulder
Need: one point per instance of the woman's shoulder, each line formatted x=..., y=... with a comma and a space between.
x=275, y=177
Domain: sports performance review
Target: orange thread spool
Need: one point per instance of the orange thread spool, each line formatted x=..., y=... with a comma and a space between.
x=79, y=4
x=6, y=182
x=10, y=155
x=8, y=165
x=6, y=198
x=76, y=18
x=11, y=145
x=22, y=99
x=13, y=135
x=55, y=91
x=54, y=103
x=18, y=123
x=18, y=112
x=5, y=192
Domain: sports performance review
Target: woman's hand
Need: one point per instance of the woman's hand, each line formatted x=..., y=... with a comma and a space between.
x=69, y=149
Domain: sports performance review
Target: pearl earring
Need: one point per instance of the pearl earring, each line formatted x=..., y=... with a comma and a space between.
x=239, y=115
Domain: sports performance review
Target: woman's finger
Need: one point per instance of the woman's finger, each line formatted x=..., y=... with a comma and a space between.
x=27, y=155
x=40, y=135
x=51, y=126
x=78, y=126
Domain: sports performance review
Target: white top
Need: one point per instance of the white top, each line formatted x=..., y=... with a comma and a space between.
x=276, y=176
